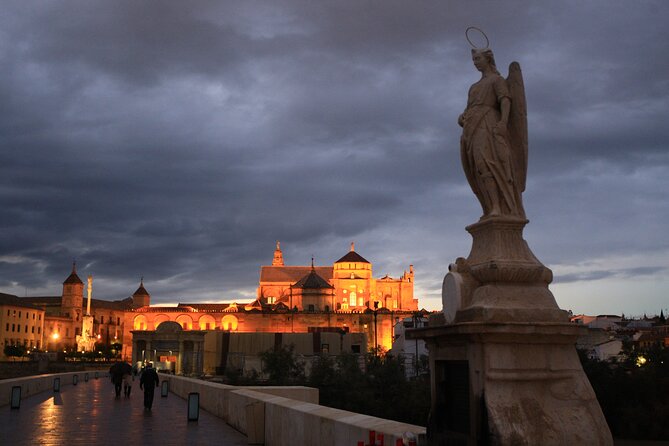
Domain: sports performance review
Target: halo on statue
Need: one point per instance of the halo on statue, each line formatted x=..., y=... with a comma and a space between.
x=473, y=28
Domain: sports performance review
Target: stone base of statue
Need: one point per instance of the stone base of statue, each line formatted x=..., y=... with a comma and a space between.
x=86, y=341
x=502, y=354
x=506, y=282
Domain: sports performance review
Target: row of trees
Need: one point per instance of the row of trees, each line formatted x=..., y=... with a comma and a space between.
x=102, y=351
x=382, y=389
x=633, y=394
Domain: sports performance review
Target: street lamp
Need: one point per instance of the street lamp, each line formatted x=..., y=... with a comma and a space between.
x=376, y=339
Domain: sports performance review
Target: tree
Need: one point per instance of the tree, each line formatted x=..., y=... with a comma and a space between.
x=14, y=351
x=280, y=365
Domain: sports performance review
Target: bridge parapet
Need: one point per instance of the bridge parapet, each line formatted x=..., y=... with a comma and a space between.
x=288, y=415
x=31, y=385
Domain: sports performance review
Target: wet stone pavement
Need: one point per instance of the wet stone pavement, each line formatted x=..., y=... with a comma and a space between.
x=89, y=414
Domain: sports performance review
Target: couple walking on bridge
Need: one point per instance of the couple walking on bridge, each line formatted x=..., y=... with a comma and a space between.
x=121, y=375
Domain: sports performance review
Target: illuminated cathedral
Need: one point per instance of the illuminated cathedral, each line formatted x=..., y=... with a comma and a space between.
x=341, y=299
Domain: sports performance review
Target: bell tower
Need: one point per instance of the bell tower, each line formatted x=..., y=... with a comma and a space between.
x=278, y=256
x=141, y=297
x=73, y=294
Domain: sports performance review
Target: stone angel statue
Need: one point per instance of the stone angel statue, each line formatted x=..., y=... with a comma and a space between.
x=493, y=145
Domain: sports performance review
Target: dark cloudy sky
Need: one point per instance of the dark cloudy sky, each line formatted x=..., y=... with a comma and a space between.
x=179, y=140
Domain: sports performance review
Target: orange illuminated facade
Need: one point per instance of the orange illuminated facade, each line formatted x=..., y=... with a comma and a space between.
x=352, y=286
x=341, y=298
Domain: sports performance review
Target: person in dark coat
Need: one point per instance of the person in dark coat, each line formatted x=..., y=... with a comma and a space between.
x=116, y=373
x=149, y=382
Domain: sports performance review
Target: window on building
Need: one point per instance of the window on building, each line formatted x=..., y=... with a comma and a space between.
x=311, y=308
x=19, y=314
x=32, y=329
x=7, y=327
x=360, y=302
x=354, y=298
x=26, y=329
x=39, y=317
x=13, y=328
x=27, y=317
x=14, y=313
x=67, y=332
x=8, y=312
x=33, y=316
x=118, y=321
x=355, y=348
x=39, y=330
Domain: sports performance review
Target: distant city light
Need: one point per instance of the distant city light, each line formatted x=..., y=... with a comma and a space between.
x=640, y=361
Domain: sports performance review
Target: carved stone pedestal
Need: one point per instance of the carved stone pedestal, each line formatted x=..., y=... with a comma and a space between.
x=503, y=361
x=502, y=279
x=510, y=384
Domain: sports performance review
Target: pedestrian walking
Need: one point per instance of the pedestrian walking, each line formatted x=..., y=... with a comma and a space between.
x=148, y=381
x=116, y=373
x=127, y=384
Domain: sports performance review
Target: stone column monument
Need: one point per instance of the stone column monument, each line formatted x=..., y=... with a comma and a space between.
x=86, y=341
x=504, y=368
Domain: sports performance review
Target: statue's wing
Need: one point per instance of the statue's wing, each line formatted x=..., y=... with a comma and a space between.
x=518, y=124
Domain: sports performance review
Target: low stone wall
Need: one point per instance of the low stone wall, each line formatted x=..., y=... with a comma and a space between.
x=214, y=397
x=283, y=416
x=31, y=385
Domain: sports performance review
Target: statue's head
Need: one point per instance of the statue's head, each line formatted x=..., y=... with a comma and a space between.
x=483, y=57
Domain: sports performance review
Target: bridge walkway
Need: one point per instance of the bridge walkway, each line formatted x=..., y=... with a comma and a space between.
x=89, y=414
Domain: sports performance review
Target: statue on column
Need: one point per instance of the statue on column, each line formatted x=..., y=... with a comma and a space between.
x=86, y=341
x=493, y=146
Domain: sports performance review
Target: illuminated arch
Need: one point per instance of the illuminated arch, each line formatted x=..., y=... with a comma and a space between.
x=207, y=322
x=140, y=323
x=229, y=322
x=185, y=321
x=159, y=319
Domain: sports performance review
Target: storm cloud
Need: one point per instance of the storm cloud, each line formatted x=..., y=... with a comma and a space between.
x=178, y=141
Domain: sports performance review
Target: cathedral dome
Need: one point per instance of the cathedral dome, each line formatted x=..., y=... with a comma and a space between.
x=352, y=257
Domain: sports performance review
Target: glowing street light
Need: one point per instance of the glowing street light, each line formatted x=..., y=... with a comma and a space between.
x=55, y=336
